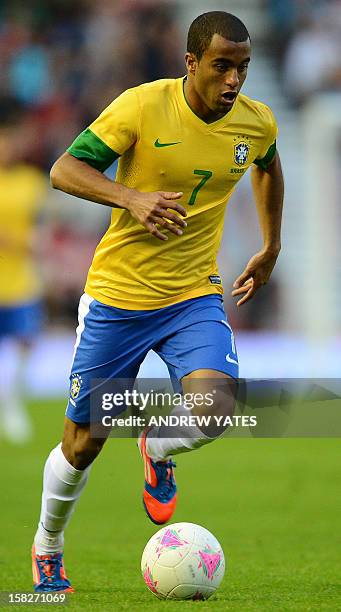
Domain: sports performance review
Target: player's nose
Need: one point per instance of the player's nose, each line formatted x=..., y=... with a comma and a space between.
x=232, y=78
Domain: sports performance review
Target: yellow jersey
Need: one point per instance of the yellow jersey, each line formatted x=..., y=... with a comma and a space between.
x=163, y=145
x=21, y=197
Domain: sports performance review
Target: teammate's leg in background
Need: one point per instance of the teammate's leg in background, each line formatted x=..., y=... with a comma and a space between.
x=15, y=422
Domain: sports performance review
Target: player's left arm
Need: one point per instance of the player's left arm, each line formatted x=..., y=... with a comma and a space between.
x=268, y=189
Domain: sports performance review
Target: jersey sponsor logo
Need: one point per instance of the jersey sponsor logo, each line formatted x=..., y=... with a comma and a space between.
x=237, y=170
x=241, y=153
x=165, y=144
x=76, y=384
x=215, y=279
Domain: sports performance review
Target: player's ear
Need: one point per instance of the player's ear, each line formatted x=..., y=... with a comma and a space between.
x=191, y=63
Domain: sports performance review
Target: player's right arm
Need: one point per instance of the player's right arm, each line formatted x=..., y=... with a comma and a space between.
x=78, y=178
x=79, y=171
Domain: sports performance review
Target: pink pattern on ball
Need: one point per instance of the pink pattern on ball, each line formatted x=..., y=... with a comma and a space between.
x=210, y=563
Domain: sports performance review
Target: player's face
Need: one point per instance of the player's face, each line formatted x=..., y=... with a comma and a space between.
x=219, y=75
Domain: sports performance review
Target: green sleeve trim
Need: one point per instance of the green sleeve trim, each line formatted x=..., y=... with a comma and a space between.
x=89, y=148
x=265, y=161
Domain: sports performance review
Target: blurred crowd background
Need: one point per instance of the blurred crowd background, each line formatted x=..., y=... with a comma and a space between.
x=63, y=61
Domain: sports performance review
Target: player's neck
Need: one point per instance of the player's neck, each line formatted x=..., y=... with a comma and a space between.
x=197, y=105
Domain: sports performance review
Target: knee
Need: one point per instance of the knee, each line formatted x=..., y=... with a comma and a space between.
x=79, y=448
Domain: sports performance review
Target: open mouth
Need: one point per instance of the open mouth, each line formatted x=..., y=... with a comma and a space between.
x=229, y=96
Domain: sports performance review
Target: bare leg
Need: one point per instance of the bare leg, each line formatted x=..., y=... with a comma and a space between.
x=164, y=440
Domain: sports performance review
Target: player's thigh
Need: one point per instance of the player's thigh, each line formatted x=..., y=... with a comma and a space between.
x=201, y=339
x=202, y=358
x=109, y=345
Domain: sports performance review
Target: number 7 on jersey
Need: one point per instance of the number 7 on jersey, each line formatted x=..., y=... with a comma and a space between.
x=206, y=174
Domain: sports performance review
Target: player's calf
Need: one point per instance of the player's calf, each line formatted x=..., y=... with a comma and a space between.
x=79, y=447
x=217, y=399
x=210, y=423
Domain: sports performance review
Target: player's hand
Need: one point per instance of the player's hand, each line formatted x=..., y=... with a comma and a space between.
x=156, y=209
x=256, y=274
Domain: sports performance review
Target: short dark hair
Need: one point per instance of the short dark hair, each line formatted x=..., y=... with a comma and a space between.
x=204, y=27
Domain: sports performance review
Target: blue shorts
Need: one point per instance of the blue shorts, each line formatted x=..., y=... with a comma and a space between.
x=23, y=321
x=112, y=343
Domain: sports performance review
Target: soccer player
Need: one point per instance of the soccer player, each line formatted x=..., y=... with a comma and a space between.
x=23, y=188
x=182, y=144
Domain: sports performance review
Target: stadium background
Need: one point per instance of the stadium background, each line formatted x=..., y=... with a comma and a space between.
x=63, y=61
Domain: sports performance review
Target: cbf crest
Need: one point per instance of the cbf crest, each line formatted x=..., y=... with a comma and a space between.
x=241, y=153
x=76, y=384
x=241, y=150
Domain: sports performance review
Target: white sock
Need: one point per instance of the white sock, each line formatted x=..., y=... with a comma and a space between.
x=62, y=487
x=184, y=439
x=47, y=543
x=14, y=420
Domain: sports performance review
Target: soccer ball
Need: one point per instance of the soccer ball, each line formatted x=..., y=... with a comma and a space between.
x=183, y=561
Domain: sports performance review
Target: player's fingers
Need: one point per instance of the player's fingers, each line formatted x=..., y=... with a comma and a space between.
x=242, y=289
x=166, y=214
x=168, y=226
x=151, y=227
x=241, y=280
x=247, y=296
x=169, y=203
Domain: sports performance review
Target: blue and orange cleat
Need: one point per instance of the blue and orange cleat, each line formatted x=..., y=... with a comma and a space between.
x=159, y=495
x=49, y=573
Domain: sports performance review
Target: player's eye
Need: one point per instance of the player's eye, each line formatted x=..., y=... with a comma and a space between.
x=243, y=67
x=221, y=67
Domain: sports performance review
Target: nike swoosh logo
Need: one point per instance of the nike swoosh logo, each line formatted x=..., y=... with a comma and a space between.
x=230, y=360
x=165, y=144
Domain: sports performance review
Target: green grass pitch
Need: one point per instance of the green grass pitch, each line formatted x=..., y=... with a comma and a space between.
x=273, y=504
